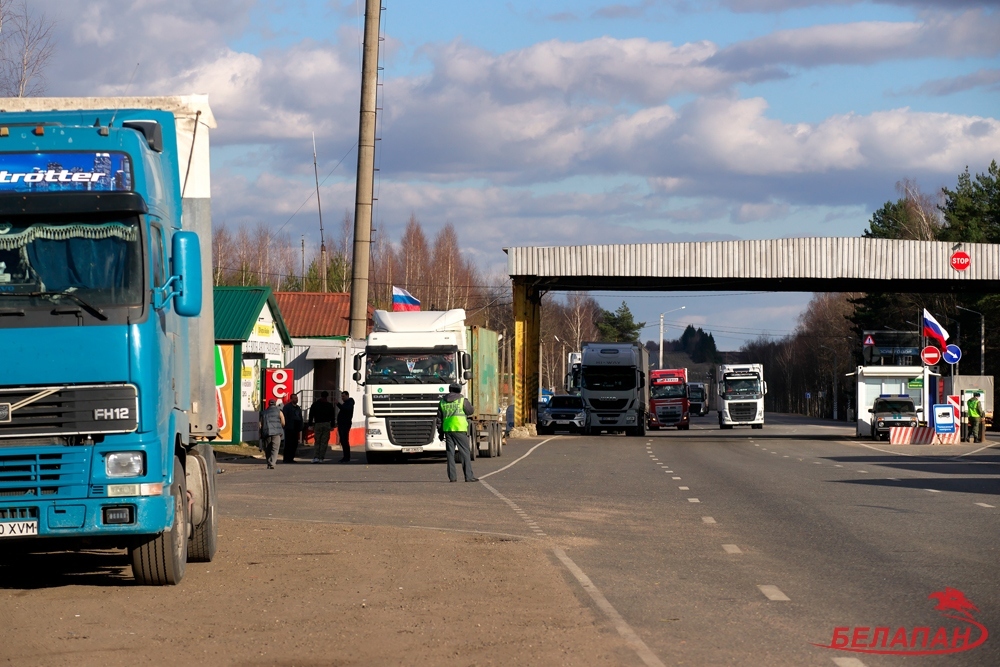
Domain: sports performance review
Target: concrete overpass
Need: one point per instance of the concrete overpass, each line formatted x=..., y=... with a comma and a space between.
x=838, y=264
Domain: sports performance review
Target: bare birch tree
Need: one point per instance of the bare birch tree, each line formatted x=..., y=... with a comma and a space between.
x=26, y=48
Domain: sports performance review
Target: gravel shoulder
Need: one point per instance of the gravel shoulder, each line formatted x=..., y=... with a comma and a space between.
x=284, y=592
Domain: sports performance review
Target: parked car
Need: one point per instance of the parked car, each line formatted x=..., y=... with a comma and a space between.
x=892, y=410
x=564, y=412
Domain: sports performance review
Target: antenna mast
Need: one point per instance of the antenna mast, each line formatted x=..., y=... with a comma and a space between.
x=319, y=206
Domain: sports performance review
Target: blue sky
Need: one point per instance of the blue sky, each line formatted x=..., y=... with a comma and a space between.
x=544, y=123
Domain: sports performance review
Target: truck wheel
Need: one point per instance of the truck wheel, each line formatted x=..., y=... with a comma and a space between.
x=375, y=458
x=491, y=442
x=161, y=560
x=201, y=482
x=686, y=427
x=500, y=442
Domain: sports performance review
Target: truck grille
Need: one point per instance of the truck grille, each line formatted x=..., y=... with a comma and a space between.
x=669, y=413
x=608, y=404
x=411, y=432
x=743, y=412
x=67, y=411
x=61, y=472
x=409, y=405
x=8, y=513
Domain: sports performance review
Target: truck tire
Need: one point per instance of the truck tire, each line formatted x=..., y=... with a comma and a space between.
x=686, y=427
x=491, y=445
x=500, y=441
x=162, y=559
x=375, y=458
x=757, y=426
x=201, y=483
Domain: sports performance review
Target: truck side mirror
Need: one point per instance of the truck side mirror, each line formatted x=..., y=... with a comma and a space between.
x=357, y=376
x=642, y=379
x=466, y=360
x=467, y=375
x=870, y=411
x=186, y=252
x=357, y=362
x=765, y=387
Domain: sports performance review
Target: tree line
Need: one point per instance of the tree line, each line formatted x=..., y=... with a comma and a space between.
x=827, y=344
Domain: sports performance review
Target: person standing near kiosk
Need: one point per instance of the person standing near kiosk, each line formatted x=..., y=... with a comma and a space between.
x=975, y=408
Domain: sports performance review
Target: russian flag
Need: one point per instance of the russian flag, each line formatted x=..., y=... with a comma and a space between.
x=934, y=330
x=404, y=301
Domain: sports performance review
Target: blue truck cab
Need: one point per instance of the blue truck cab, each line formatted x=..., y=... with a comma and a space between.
x=107, y=395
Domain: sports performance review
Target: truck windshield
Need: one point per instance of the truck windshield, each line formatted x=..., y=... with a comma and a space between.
x=667, y=391
x=742, y=386
x=696, y=394
x=608, y=378
x=411, y=368
x=79, y=263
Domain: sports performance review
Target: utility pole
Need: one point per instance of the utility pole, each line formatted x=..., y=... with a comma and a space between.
x=322, y=243
x=660, y=366
x=302, y=275
x=364, y=189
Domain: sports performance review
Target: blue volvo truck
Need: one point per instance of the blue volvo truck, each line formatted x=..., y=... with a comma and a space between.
x=107, y=394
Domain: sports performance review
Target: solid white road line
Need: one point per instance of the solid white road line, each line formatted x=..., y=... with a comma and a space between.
x=848, y=662
x=732, y=549
x=985, y=505
x=932, y=490
x=515, y=461
x=623, y=628
x=707, y=519
x=774, y=593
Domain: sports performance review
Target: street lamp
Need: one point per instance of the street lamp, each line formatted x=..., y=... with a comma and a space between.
x=660, y=366
x=982, y=339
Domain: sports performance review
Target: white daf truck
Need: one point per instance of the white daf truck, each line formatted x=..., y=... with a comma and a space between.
x=738, y=392
x=409, y=361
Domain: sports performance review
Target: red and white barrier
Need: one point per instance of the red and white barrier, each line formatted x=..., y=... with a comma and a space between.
x=920, y=435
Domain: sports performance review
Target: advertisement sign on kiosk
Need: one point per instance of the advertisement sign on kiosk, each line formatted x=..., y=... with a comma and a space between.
x=279, y=384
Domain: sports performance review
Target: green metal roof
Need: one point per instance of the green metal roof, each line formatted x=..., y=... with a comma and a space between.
x=237, y=310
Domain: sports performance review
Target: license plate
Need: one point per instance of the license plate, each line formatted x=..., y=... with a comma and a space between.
x=18, y=528
x=412, y=450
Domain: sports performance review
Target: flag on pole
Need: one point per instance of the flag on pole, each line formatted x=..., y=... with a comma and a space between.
x=934, y=330
x=403, y=300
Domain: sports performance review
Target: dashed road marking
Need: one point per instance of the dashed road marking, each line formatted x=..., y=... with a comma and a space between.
x=731, y=549
x=985, y=505
x=520, y=512
x=675, y=478
x=863, y=471
x=693, y=500
x=837, y=465
x=933, y=490
x=707, y=519
x=623, y=628
x=684, y=488
x=848, y=662
x=774, y=593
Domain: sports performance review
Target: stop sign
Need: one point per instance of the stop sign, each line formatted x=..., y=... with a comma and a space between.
x=930, y=355
x=960, y=260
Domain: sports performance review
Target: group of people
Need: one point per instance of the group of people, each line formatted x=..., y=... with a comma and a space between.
x=286, y=422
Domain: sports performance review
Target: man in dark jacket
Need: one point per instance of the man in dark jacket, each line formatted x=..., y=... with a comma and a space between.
x=345, y=418
x=293, y=428
x=321, y=416
x=453, y=428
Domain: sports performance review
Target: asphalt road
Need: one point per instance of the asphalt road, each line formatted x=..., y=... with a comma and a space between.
x=684, y=543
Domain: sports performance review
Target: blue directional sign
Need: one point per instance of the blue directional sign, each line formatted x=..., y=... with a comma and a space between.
x=952, y=354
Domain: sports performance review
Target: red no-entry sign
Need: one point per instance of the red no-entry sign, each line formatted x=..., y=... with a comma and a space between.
x=930, y=355
x=960, y=260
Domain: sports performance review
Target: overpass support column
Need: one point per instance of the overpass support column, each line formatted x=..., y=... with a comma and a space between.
x=527, y=327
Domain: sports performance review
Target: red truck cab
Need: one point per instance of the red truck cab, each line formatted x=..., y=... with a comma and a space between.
x=668, y=399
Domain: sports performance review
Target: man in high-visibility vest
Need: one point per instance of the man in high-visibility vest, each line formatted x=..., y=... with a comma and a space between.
x=453, y=428
x=975, y=418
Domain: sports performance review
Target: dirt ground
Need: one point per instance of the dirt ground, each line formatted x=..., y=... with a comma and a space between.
x=298, y=593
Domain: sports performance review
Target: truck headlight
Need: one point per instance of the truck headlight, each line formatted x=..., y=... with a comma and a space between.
x=881, y=423
x=124, y=464
x=579, y=415
x=374, y=431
